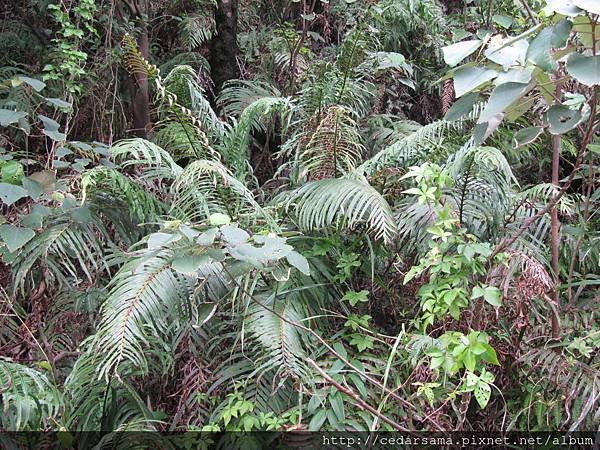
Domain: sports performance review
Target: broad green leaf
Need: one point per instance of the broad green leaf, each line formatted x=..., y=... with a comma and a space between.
x=539, y=51
x=46, y=178
x=470, y=78
x=218, y=219
x=10, y=193
x=493, y=296
x=59, y=103
x=503, y=21
x=564, y=7
x=35, y=218
x=56, y=136
x=560, y=33
x=189, y=265
x=11, y=172
x=527, y=135
x=298, y=261
x=462, y=107
x=234, y=235
x=469, y=360
x=8, y=116
x=33, y=188
x=562, y=119
x=158, y=240
x=455, y=53
x=15, y=237
x=515, y=75
x=507, y=55
x=591, y=6
x=319, y=418
x=49, y=124
x=482, y=392
x=583, y=27
x=502, y=97
x=37, y=85
x=585, y=69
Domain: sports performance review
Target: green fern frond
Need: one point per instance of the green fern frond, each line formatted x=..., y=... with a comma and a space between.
x=334, y=148
x=30, y=401
x=329, y=202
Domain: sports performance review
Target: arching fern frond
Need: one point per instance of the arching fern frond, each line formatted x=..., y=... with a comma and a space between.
x=207, y=187
x=235, y=145
x=324, y=203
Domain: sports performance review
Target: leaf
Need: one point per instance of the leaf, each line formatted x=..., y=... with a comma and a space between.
x=564, y=7
x=455, y=53
x=539, y=51
x=562, y=119
x=337, y=404
x=493, y=296
x=46, y=178
x=469, y=360
x=234, y=235
x=8, y=116
x=502, y=97
x=298, y=261
x=189, y=265
x=318, y=419
x=560, y=33
x=527, y=136
x=55, y=136
x=218, y=219
x=59, y=103
x=507, y=56
x=15, y=237
x=11, y=172
x=591, y=6
x=37, y=85
x=462, y=107
x=158, y=240
x=585, y=69
x=482, y=392
x=470, y=78
x=503, y=21
x=10, y=193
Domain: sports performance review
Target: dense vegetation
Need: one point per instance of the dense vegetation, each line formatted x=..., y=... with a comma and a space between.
x=301, y=214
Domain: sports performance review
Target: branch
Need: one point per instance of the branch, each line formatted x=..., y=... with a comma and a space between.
x=350, y=393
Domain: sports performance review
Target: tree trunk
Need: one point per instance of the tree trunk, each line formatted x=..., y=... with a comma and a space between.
x=224, y=47
x=141, y=99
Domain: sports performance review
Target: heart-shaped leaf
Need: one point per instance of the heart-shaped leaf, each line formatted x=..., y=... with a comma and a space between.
x=527, y=135
x=585, y=69
x=455, y=53
x=562, y=119
x=15, y=237
x=10, y=193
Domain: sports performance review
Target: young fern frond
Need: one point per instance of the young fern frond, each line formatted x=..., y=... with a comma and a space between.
x=144, y=304
x=330, y=202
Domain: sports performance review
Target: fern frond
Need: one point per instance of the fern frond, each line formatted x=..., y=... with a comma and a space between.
x=334, y=148
x=30, y=401
x=410, y=149
x=235, y=144
x=323, y=203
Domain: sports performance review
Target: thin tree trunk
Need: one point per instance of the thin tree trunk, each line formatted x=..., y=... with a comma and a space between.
x=224, y=47
x=554, y=227
x=141, y=99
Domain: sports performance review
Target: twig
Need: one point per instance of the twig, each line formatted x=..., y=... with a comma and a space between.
x=350, y=393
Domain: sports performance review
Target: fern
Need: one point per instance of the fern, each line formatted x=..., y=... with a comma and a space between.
x=30, y=401
x=324, y=203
